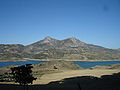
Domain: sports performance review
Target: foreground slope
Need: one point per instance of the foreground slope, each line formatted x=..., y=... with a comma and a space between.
x=54, y=66
x=47, y=78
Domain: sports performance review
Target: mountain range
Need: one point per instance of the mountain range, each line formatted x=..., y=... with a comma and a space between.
x=50, y=48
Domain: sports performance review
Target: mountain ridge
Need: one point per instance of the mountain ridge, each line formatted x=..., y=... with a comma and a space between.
x=50, y=48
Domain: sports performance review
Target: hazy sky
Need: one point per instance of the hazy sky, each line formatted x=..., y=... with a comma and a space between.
x=92, y=21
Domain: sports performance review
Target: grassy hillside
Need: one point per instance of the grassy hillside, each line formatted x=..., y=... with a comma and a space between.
x=54, y=66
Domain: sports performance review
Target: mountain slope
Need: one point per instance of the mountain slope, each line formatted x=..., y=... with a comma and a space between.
x=50, y=48
x=11, y=51
x=70, y=48
x=118, y=49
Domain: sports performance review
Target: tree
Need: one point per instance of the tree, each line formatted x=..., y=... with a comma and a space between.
x=23, y=74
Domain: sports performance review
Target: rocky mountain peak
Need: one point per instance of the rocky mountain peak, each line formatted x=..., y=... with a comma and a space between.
x=72, y=39
x=48, y=39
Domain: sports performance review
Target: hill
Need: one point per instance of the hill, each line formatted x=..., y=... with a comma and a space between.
x=40, y=69
x=50, y=48
x=118, y=49
x=11, y=51
x=113, y=66
x=53, y=67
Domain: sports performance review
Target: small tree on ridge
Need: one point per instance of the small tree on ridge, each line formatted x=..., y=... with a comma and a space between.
x=23, y=74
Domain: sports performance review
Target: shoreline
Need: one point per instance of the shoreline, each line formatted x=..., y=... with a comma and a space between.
x=12, y=60
x=52, y=60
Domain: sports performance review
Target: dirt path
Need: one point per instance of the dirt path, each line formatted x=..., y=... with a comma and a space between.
x=72, y=73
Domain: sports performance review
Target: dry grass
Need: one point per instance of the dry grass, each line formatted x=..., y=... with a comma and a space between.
x=73, y=73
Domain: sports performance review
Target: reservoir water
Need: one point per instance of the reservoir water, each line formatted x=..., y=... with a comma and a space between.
x=9, y=63
x=88, y=64
x=84, y=64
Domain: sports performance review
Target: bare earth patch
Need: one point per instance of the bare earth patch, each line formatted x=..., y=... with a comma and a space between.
x=45, y=79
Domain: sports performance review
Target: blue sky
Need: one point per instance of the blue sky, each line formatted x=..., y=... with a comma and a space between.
x=92, y=21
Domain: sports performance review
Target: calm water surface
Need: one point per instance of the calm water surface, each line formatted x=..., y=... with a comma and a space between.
x=84, y=64
x=88, y=64
x=8, y=63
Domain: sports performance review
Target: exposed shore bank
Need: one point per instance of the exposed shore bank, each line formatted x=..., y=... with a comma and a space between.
x=52, y=59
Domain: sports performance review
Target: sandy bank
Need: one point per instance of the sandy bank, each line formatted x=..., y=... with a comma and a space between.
x=69, y=60
x=12, y=60
x=53, y=59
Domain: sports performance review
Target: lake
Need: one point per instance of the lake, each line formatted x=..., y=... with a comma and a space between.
x=84, y=64
x=9, y=63
x=88, y=64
